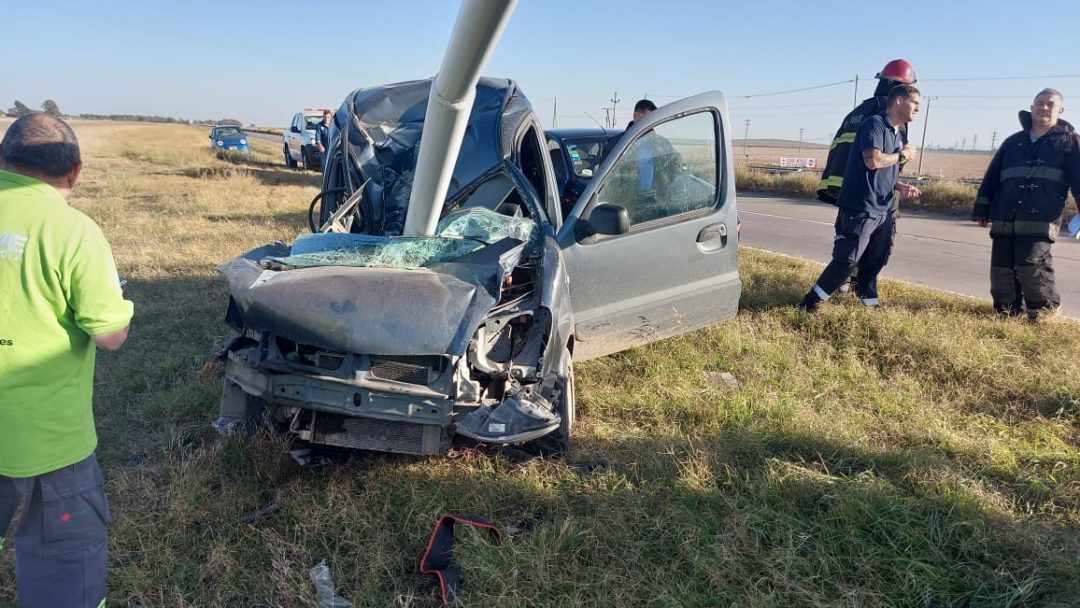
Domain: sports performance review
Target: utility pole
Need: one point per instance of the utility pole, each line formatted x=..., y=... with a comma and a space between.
x=993, y=138
x=963, y=145
x=746, y=134
x=926, y=120
x=974, y=141
x=607, y=118
x=801, y=129
x=554, y=109
x=614, y=104
x=855, y=104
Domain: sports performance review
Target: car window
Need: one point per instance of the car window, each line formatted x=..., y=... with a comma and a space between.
x=555, y=150
x=585, y=155
x=312, y=121
x=227, y=132
x=668, y=171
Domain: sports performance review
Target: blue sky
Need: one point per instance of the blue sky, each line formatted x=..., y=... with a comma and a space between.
x=260, y=61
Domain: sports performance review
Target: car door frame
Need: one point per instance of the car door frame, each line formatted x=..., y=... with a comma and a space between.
x=605, y=326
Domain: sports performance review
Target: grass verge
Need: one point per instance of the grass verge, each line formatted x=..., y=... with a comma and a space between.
x=923, y=454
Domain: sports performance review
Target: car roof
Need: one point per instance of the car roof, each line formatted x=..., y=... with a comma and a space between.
x=392, y=119
x=581, y=132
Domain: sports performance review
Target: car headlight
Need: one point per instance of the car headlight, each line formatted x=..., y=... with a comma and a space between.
x=220, y=143
x=243, y=142
x=312, y=142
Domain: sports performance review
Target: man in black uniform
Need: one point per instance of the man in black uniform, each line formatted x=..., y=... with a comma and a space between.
x=1022, y=198
x=895, y=72
x=864, y=220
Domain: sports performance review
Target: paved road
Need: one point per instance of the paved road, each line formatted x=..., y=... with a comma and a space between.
x=274, y=139
x=943, y=252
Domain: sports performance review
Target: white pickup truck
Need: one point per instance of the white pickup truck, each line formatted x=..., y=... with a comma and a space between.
x=299, y=140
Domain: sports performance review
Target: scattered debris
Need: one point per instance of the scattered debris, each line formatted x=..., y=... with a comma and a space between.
x=136, y=459
x=227, y=426
x=324, y=586
x=263, y=513
x=721, y=379
x=305, y=457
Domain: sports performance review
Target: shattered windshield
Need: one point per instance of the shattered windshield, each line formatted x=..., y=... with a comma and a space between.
x=458, y=233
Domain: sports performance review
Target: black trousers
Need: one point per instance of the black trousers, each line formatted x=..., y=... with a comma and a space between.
x=1022, y=274
x=863, y=240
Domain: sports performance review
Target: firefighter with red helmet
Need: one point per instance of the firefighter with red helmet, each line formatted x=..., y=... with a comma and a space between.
x=897, y=71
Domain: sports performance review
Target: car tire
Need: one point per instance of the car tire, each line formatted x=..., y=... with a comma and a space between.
x=289, y=162
x=557, y=443
x=305, y=165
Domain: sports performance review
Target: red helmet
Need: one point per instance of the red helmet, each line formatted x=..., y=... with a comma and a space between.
x=898, y=70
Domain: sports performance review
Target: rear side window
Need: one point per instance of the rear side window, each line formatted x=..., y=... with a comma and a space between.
x=668, y=171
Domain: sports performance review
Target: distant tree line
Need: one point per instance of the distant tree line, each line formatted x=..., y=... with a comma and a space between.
x=50, y=107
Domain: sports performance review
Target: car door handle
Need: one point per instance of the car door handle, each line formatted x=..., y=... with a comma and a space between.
x=712, y=232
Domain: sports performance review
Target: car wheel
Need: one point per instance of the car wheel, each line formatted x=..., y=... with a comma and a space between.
x=289, y=162
x=557, y=443
x=304, y=158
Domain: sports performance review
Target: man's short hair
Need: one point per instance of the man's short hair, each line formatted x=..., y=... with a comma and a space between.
x=325, y=112
x=901, y=90
x=1049, y=91
x=41, y=145
x=644, y=105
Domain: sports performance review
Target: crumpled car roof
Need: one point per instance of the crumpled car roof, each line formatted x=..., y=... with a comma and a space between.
x=382, y=127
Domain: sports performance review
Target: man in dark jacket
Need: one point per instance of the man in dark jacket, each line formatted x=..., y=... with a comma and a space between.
x=1022, y=198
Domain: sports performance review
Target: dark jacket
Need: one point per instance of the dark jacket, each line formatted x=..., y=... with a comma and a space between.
x=1026, y=184
x=832, y=177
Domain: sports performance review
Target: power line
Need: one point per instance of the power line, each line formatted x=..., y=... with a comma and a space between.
x=820, y=86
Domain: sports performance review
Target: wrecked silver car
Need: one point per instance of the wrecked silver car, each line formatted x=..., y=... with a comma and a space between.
x=359, y=337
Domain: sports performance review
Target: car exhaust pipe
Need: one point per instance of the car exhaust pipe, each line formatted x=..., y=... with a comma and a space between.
x=479, y=25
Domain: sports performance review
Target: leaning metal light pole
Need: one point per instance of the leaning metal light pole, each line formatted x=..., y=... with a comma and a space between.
x=479, y=25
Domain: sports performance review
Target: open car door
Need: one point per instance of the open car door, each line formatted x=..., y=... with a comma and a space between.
x=651, y=247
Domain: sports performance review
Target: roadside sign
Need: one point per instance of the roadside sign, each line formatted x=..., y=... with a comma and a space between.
x=797, y=163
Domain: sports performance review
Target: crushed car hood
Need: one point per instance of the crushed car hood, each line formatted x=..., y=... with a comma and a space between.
x=358, y=294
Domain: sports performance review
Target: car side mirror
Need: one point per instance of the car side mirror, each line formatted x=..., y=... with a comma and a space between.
x=607, y=218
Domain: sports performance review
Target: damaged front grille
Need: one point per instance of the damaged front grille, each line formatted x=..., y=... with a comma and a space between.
x=379, y=435
x=305, y=354
x=412, y=370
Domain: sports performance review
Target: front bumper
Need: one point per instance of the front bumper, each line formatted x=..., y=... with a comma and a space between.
x=361, y=413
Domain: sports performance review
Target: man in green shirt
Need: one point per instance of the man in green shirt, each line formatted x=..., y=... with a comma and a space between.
x=61, y=299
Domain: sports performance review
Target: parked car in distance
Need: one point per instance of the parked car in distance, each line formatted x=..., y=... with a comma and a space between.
x=356, y=336
x=575, y=156
x=229, y=138
x=299, y=140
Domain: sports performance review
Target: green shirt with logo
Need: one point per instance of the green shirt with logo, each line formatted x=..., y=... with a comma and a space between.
x=58, y=287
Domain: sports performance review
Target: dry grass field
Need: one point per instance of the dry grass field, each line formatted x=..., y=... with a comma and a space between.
x=924, y=454
x=941, y=165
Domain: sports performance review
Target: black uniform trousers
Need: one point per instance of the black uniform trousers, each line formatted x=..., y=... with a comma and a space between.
x=861, y=239
x=1022, y=274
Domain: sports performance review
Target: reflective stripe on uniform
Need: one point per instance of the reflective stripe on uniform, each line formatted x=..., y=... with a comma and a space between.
x=820, y=293
x=834, y=181
x=1052, y=174
x=1024, y=228
x=843, y=138
x=870, y=302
